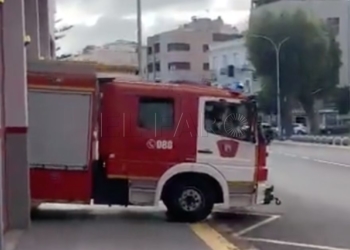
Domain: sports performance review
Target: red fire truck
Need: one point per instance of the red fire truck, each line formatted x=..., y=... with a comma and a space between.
x=96, y=140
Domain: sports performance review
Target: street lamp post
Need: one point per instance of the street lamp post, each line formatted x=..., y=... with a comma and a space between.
x=139, y=38
x=277, y=48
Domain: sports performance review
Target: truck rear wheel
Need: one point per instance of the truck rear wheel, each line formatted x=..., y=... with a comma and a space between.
x=189, y=201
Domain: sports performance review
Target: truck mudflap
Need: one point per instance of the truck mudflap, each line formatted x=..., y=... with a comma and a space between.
x=265, y=195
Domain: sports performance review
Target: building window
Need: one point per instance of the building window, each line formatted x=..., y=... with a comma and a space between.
x=205, y=47
x=333, y=24
x=149, y=50
x=150, y=67
x=156, y=47
x=205, y=66
x=156, y=113
x=178, y=47
x=231, y=71
x=157, y=66
x=179, y=66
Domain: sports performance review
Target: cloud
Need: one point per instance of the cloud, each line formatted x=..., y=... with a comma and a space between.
x=98, y=22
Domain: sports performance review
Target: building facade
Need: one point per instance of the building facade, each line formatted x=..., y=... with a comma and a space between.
x=336, y=13
x=229, y=65
x=182, y=55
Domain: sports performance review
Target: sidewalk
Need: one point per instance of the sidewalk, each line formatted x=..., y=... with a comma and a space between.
x=306, y=144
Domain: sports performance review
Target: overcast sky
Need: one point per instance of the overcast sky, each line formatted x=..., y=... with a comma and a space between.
x=101, y=21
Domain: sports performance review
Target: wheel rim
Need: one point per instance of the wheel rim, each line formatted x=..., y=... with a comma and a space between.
x=191, y=200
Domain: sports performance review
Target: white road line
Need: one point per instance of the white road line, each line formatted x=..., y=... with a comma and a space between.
x=291, y=155
x=256, y=213
x=332, y=163
x=236, y=211
x=286, y=143
x=257, y=225
x=317, y=160
x=294, y=244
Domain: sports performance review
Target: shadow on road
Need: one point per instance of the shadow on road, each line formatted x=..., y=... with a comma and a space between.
x=238, y=221
x=101, y=213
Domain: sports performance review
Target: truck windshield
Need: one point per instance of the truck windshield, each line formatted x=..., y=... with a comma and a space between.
x=228, y=119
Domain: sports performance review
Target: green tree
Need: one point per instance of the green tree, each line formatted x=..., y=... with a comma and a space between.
x=309, y=60
x=59, y=34
x=266, y=98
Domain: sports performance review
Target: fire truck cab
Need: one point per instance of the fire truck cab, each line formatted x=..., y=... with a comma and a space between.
x=116, y=142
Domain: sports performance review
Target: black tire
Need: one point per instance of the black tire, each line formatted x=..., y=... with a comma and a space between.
x=189, y=201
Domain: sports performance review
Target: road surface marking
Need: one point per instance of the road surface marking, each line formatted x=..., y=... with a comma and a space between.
x=286, y=143
x=257, y=225
x=236, y=211
x=333, y=163
x=291, y=155
x=294, y=244
x=211, y=237
x=317, y=160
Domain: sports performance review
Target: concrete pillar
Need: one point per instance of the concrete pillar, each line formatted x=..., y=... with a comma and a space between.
x=32, y=28
x=17, y=194
x=44, y=28
x=53, y=48
x=2, y=145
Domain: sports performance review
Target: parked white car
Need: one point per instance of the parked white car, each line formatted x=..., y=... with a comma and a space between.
x=299, y=129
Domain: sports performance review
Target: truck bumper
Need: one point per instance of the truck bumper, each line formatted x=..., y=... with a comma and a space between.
x=265, y=195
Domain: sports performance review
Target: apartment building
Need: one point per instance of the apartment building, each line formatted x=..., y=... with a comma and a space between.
x=336, y=13
x=182, y=55
x=229, y=65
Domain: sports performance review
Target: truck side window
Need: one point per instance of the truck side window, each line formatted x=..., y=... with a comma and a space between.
x=156, y=113
x=227, y=119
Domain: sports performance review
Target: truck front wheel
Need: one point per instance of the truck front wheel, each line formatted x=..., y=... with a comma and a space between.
x=189, y=202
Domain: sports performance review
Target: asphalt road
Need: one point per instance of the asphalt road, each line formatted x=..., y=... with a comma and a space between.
x=312, y=182
x=314, y=186
x=92, y=228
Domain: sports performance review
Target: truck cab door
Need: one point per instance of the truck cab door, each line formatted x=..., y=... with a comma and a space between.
x=223, y=141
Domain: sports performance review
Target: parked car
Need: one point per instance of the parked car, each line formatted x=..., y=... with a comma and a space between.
x=299, y=129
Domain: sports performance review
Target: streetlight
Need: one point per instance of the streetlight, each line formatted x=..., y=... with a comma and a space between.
x=139, y=38
x=277, y=48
